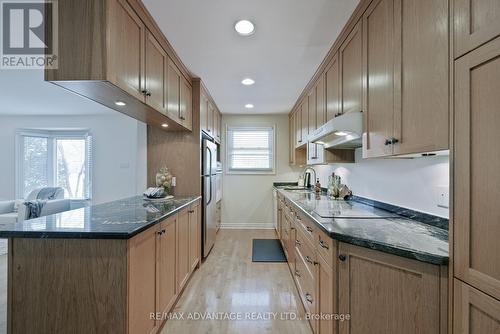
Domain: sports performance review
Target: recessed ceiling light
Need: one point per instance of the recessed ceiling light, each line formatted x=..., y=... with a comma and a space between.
x=244, y=27
x=165, y=125
x=247, y=81
x=249, y=106
x=120, y=103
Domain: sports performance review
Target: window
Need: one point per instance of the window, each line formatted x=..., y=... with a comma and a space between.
x=250, y=149
x=54, y=159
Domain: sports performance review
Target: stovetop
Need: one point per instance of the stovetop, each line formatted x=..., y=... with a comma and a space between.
x=346, y=209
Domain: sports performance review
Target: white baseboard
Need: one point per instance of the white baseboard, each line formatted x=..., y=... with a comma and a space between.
x=247, y=226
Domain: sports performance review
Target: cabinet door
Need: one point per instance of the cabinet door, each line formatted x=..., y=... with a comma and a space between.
x=203, y=112
x=142, y=281
x=327, y=295
x=421, y=118
x=475, y=23
x=183, y=265
x=304, y=112
x=194, y=236
x=474, y=311
x=186, y=110
x=351, y=73
x=156, y=77
x=173, y=91
x=165, y=279
x=332, y=89
x=292, y=125
x=126, y=45
x=210, y=119
x=476, y=166
x=320, y=102
x=378, y=64
x=297, y=119
x=387, y=294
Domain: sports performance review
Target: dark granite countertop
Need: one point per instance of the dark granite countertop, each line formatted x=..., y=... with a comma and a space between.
x=395, y=235
x=121, y=219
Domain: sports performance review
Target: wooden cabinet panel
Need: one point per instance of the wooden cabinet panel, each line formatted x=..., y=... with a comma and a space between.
x=155, y=80
x=166, y=257
x=204, y=112
x=210, y=119
x=304, y=112
x=306, y=284
x=320, y=102
x=474, y=311
x=378, y=64
x=332, y=89
x=194, y=236
x=173, y=91
x=327, y=297
x=351, y=73
x=297, y=118
x=475, y=22
x=388, y=294
x=126, y=40
x=186, y=104
x=476, y=179
x=311, y=102
x=183, y=265
x=142, y=282
x=421, y=118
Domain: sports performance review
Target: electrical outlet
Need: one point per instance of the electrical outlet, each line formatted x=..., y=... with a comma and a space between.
x=174, y=181
x=443, y=197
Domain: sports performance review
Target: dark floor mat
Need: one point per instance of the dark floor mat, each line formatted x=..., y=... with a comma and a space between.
x=267, y=250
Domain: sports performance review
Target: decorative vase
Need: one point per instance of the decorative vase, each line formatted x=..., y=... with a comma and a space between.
x=164, y=180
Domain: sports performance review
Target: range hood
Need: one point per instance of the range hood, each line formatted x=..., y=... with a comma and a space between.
x=342, y=132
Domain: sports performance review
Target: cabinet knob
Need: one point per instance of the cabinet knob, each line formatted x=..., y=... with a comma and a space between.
x=182, y=118
x=342, y=257
x=323, y=244
x=309, y=298
x=391, y=141
x=297, y=273
x=297, y=243
x=146, y=93
x=191, y=211
x=309, y=229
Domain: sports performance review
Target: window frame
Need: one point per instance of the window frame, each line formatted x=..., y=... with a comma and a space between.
x=52, y=136
x=253, y=171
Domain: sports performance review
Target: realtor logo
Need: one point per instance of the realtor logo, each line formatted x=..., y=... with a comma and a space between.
x=29, y=34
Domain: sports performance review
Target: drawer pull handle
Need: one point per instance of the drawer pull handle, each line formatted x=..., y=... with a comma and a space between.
x=308, y=259
x=309, y=298
x=297, y=243
x=309, y=229
x=323, y=244
x=297, y=273
x=342, y=257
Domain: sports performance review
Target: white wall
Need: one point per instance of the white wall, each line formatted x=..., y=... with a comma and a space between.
x=247, y=199
x=410, y=183
x=119, y=143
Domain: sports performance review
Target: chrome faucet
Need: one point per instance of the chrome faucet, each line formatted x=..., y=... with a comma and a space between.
x=304, y=175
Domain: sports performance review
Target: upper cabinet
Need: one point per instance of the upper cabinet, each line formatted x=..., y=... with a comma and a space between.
x=111, y=52
x=351, y=69
x=332, y=88
x=475, y=23
x=210, y=116
x=406, y=101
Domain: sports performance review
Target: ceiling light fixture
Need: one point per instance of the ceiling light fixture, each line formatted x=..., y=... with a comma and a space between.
x=249, y=106
x=341, y=133
x=244, y=27
x=165, y=125
x=247, y=82
x=120, y=103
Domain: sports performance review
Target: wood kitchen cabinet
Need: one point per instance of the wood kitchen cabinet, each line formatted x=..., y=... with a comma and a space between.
x=475, y=23
x=327, y=296
x=406, y=103
x=476, y=191
x=194, y=236
x=183, y=265
x=384, y=293
x=111, y=51
x=166, y=258
x=474, y=312
x=210, y=119
x=351, y=71
x=332, y=89
x=186, y=104
x=304, y=120
x=142, y=291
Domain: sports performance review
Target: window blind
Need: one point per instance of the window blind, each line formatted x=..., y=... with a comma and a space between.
x=250, y=149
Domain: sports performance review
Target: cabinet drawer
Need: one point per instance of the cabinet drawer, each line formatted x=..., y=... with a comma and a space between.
x=306, y=286
x=306, y=251
x=326, y=247
x=308, y=227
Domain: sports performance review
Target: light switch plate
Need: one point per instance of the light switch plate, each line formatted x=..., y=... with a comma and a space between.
x=174, y=181
x=443, y=197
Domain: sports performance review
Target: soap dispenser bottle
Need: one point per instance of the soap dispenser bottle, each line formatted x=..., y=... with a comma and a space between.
x=317, y=188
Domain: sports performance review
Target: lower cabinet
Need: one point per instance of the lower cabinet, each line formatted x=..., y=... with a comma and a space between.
x=474, y=312
x=161, y=260
x=348, y=289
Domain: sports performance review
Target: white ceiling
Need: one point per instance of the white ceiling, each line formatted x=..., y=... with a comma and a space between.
x=292, y=37
x=24, y=92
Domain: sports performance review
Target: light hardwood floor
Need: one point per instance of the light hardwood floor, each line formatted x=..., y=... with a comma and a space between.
x=229, y=281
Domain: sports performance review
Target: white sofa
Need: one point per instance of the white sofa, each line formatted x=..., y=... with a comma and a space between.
x=9, y=214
